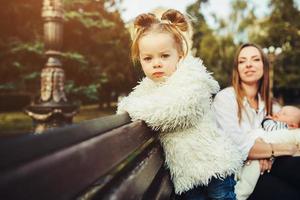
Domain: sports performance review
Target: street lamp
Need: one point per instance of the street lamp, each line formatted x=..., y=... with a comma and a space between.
x=272, y=53
x=52, y=109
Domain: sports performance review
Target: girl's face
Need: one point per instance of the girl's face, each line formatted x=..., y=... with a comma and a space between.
x=158, y=55
x=250, y=65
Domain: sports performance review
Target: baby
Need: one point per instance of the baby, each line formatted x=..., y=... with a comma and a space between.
x=282, y=127
x=287, y=118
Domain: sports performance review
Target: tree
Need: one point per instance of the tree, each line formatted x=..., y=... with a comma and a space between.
x=281, y=29
x=215, y=50
x=21, y=47
x=101, y=51
x=95, y=50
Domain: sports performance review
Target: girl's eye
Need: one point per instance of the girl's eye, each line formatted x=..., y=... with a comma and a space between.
x=241, y=61
x=257, y=59
x=147, y=58
x=165, y=56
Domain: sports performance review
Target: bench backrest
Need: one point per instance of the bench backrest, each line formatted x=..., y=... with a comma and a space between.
x=105, y=158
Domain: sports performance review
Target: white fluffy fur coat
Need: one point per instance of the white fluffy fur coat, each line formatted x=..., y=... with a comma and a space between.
x=180, y=108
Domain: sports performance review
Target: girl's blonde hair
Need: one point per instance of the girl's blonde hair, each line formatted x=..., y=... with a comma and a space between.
x=172, y=22
x=263, y=87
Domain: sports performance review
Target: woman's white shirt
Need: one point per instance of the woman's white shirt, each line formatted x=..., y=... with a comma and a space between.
x=226, y=108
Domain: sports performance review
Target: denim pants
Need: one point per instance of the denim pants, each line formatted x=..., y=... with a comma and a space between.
x=217, y=189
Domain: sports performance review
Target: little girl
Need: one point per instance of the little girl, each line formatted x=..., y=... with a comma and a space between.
x=175, y=98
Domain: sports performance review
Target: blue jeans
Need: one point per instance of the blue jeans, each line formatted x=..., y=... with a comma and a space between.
x=217, y=189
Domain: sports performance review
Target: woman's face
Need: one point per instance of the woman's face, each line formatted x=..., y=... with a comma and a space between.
x=250, y=65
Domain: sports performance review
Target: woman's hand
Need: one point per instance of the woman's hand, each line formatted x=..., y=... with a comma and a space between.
x=265, y=165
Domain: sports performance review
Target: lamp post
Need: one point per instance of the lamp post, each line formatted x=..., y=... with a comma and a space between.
x=52, y=109
x=272, y=53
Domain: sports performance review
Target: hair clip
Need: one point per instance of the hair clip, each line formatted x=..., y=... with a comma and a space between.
x=165, y=21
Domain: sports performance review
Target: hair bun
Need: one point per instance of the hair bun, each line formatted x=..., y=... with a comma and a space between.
x=176, y=18
x=144, y=20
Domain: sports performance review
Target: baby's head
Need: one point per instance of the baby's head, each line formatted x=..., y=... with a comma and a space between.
x=159, y=43
x=289, y=115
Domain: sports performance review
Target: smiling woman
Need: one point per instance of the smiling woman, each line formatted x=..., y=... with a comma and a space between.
x=240, y=109
x=250, y=66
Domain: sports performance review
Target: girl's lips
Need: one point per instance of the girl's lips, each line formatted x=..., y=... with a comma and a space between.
x=158, y=74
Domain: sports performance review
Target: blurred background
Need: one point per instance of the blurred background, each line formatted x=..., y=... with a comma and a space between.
x=95, y=52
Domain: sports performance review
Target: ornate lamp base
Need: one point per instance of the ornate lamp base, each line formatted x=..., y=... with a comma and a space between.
x=52, y=109
x=47, y=115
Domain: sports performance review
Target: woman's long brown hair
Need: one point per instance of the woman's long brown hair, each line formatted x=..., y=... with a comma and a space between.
x=263, y=87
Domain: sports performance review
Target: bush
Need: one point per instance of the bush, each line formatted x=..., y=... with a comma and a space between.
x=14, y=102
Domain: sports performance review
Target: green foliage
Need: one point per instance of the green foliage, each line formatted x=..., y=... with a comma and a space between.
x=215, y=50
x=88, y=19
x=7, y=86
x=281, y=29
x=75, y=57
x=31, y=76
x=36, y=47
x=21, y=48
x=101, y=49
x=95, y=53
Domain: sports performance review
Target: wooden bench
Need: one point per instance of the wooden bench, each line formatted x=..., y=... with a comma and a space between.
x=105, y=158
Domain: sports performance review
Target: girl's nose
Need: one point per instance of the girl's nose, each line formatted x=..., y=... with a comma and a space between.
x=157, y=63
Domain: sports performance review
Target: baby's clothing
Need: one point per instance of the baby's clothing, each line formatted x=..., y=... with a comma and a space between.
x=269, y=124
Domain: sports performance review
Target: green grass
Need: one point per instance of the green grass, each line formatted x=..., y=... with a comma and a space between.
x=12, y=122
x=92, y=112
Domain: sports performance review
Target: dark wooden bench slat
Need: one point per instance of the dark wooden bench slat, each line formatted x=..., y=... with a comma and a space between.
x=106, y=158
x=17, y=150
x=133, y=183
x=160, y=188
x=61, y=175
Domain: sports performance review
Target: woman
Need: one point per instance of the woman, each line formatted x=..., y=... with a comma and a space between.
x=240, y=109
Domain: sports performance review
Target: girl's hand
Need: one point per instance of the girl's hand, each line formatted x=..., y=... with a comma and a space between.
x=265, y=165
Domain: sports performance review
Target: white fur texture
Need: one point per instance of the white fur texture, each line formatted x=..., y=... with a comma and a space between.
x=180, y=108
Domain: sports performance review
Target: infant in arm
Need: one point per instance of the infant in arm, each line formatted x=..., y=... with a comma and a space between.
x=283, y=127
